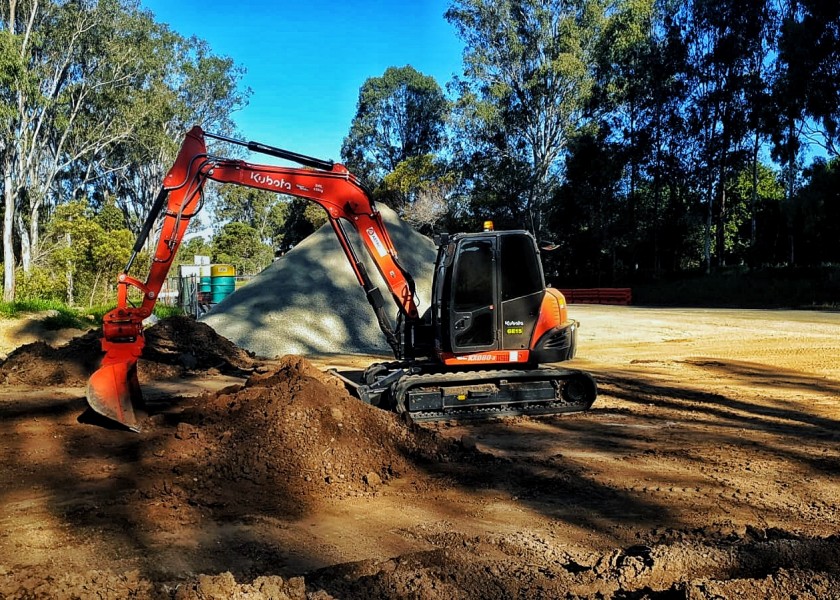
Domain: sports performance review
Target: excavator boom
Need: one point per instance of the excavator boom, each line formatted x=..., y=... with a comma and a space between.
x=113, y=390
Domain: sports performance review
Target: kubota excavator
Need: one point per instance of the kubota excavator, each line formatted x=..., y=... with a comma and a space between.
x=476, y=352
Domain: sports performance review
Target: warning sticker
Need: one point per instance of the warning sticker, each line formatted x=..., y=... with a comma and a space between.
x=377, y=243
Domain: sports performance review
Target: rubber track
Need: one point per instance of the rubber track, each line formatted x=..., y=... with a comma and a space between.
x=558, y=406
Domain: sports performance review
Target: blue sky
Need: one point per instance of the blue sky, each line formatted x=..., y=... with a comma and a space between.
x=305, y=61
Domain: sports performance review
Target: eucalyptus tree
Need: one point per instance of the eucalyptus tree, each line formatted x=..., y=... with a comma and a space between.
x=724, y=37
x=88, y=86
x=806, y=78
x=70, y=61
x=639, y=97
x=264, y=211
x=188, y=86
x=239, y=244
x=819, y=213
x=805, y=88
x=528, y=75
x=400, y=115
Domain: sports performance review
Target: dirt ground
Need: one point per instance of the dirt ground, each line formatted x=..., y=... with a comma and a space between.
x=707, y=469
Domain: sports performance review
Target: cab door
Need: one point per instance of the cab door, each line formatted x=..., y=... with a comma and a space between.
x=473, y=320
x=523, y=289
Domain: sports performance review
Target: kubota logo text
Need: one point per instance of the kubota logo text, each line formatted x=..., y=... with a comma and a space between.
x=269, y=180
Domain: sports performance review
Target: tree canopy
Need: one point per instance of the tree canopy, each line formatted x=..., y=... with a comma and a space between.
x=399, y=115
x=645, y=138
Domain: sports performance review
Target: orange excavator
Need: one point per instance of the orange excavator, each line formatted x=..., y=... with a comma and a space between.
x=476, y=352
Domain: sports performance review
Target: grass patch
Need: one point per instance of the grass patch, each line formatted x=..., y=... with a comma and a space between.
x=61, y=316
x=162, y=311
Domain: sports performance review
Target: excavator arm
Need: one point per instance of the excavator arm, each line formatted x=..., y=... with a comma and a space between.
x=113, y=390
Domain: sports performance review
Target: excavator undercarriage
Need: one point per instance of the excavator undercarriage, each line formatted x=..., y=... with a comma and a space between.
x=473, y=395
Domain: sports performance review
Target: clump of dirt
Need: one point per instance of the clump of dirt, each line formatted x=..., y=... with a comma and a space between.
x=294, y=437
x=174, y=346
x=185, y=342
x=273, y=587
x=39, y=364
x=101, y=585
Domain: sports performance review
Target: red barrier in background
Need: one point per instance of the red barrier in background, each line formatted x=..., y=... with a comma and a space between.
x=622, y=296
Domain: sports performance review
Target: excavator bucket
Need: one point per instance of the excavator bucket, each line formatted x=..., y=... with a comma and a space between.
x=113, y=391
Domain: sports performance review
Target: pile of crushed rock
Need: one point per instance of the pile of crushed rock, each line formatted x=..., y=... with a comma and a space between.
x=309, y=302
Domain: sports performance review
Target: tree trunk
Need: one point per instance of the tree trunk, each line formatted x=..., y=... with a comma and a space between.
x=34, y=231
x=707, y=245
x=754, y=194
x=721, y=225
x=69, y=273
x=25, y=245
x=8, y=239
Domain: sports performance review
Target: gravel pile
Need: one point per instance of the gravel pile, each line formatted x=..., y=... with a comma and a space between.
x=309, y=302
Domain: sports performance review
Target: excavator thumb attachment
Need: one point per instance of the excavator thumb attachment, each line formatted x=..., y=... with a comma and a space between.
x=113, y=391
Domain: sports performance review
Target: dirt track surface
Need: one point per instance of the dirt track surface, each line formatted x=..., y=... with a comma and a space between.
x=708, y=468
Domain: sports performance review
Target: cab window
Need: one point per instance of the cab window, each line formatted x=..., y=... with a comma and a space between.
x=521, y=274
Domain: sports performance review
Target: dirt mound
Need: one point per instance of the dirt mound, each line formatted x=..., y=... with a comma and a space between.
x=185, y=342
x=296, y=432
x=180, y=342
x=40, y=364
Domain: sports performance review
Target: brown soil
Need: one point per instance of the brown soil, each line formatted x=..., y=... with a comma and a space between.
x=708, y=468
x=174, y=346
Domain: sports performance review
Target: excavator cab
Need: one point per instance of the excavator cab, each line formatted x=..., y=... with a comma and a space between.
x=489, y=293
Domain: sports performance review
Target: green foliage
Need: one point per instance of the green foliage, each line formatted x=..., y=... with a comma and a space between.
x=302, y=218
x=41, y=283
x=399, y=115
x=528, y=77
x=419, y=187
x=110, y=217
x=94, y=314
x=264, y=211
x=162, y=311
x=60, y=316
x=12, y=70
x=195, y=246
x=97, y=97
x=631, y=133
x=806, y=82
x=753, y=196
x=239, y=244
x=584, y=213
x=84, y=257
x=817, y=211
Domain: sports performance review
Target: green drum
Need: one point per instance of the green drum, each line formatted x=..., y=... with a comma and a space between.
x=222, y=282
x=204, y=279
